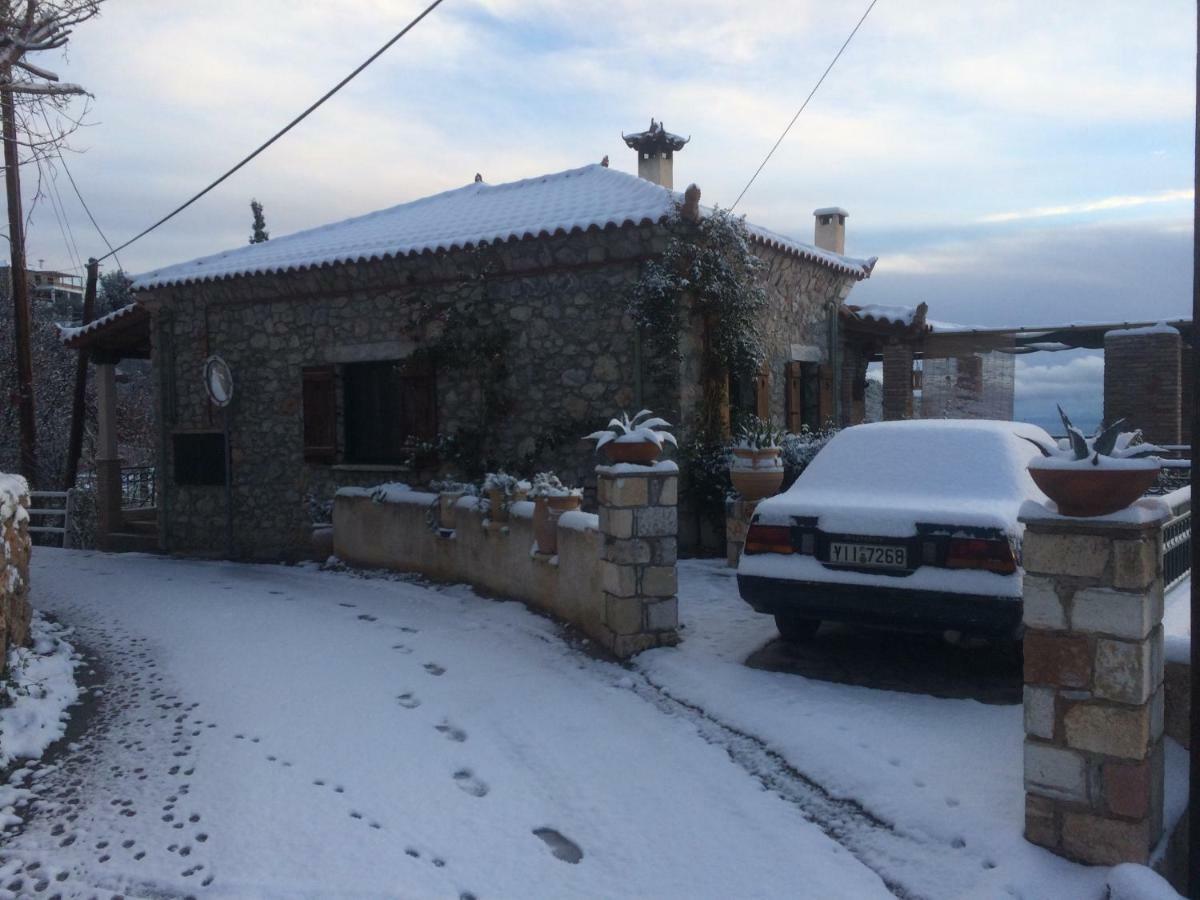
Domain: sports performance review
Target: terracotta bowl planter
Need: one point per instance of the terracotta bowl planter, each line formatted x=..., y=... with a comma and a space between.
x=643, y=453
x=497, y=511
x=1094, y=490
x=756, y=474
x=546, y=530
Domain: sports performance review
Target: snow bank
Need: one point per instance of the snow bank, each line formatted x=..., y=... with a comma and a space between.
x=1133, y=882
x=39, y=689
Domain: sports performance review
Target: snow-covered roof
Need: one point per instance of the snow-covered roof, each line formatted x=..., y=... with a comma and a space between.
x=69, y=333
x=895, y=315
x=479, y=213
x=1159, y=328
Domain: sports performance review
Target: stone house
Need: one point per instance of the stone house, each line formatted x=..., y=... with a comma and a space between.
x=492, y=314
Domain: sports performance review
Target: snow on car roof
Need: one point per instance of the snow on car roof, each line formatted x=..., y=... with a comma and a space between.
x=593, y=196
x=885, y=478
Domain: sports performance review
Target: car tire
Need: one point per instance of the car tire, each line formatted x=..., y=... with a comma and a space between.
x=796, y=629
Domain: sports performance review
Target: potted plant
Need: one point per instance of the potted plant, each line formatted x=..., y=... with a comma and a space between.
x=449, y=493
x=551, y=499
x=1098, y=475
x=501, y=489
x=637, y=440
x=756, y=468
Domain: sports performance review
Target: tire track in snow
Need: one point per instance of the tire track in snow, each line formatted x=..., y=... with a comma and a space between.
x=912, y=866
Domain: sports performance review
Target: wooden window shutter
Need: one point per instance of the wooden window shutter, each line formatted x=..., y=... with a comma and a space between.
x=793, y=397
x=320, y=414
x=825, y=401
x=762, y=392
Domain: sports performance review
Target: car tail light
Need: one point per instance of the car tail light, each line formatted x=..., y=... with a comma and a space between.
x=978, y=553
x=769, y=539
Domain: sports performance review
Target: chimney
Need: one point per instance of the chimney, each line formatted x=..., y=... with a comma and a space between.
x=830, y=231
x=656, y=150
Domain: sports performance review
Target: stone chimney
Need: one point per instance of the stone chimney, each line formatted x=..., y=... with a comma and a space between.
x=655, y=149
x=830, y=231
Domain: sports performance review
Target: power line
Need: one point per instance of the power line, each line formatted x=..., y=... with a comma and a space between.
x=55, y=196
x=836, y=57
x=290, y=125
x=72, y=254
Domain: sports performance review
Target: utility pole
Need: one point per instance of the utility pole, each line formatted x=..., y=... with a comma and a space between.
x=75, y=448
x=22, y=317
x=1193, y=813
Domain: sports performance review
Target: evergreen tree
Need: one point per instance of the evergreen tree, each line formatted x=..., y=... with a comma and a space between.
x=113, y=292
x=260, y=224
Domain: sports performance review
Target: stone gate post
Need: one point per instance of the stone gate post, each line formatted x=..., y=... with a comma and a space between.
x=1094, y=683
x=639, y=521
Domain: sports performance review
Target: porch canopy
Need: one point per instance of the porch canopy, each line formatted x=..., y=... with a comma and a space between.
x=121, y=334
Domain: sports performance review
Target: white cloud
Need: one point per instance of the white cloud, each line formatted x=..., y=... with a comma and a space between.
x=1103, y=205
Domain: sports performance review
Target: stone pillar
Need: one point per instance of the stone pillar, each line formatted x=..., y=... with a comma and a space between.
x=897, y=381
x=639, y=521
x=108, y=463
x=854, y=383
x=1094, y=684
x=1187, y=392
x=1142, y=381
x=738, y=513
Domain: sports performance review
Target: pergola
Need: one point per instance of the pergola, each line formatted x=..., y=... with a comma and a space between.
x=121, y=334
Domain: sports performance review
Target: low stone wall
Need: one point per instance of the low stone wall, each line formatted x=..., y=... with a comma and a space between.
x=15, y=611
x=584, y=584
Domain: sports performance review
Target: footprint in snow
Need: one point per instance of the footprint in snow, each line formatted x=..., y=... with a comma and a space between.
x=403, y=648
x=467, y=782
x=408, y=630
x=408, y=700
x=451, y=732
x=368, y=618
x=562, y=847
x=347, y=605
x=434, y=669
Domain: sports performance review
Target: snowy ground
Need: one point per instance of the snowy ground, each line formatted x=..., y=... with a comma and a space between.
x=263, y=731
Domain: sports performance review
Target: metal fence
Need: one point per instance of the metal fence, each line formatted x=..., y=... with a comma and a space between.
x=1177, y=539
x=46, y=507
x=139, y=487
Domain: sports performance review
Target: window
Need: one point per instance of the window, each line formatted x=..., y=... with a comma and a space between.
x=387, y=404
x=199, y=458
x=320, y=414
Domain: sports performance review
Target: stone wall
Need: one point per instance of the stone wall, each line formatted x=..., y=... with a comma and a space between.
x=1094, y=699
x=15, y=610
x=612, y=576
x=572, y=359
x=570, y=363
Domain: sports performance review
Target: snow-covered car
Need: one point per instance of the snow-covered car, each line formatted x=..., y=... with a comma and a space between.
x=900, y=524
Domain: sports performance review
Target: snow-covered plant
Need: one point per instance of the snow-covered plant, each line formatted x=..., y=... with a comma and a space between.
x=500, y=481
x=448, y=486
x=645, y=426
x=759, y=434
x=800, y=449
x=1108, y=441
x=547, y=484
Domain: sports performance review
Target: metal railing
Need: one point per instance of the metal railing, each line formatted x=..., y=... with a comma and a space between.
x=139, y=488
x=51, y=506
x=1177, y=539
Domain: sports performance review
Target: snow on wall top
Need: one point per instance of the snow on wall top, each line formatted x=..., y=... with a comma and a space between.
x=896, y=315
x=1160, y=328
x=590, y=197
x=68, y=333
x=12, y=511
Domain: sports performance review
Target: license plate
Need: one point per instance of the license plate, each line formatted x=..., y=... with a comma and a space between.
x=875, y=555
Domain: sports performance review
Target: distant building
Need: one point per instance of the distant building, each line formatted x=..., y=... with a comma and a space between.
x=54, y=294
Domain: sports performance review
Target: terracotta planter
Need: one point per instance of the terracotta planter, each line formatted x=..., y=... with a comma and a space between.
x=541, y=513
x=1094, y=490
x=756, y=474
x=497, y=510
x=446, y=501
x=642, y=453
x=547, y=533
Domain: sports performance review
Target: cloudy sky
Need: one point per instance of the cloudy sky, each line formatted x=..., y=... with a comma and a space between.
x=1010, y=162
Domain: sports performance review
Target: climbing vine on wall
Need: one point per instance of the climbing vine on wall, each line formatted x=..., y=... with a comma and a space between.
x=711, y=263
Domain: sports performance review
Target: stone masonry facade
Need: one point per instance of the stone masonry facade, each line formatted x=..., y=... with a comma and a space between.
x=638, y=519
x=15, y=611
x=1093, y=606
x=571, y=360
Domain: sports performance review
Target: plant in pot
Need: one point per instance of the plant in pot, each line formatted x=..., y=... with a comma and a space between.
x=1095, y=476
x=638, y=440
x=449, y=493
x=551, y=499
x=502, y=491
x=756, y=468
